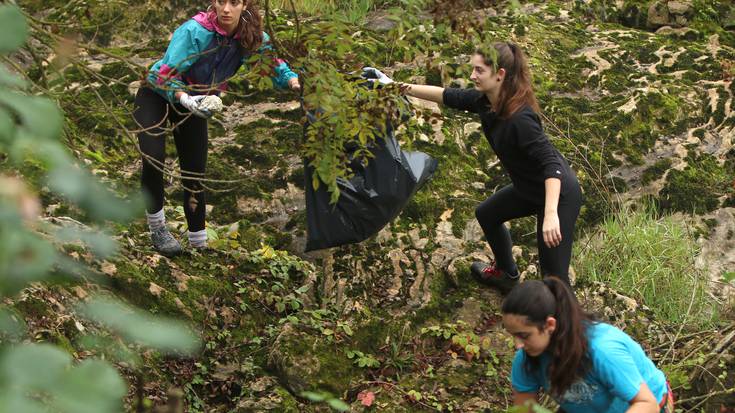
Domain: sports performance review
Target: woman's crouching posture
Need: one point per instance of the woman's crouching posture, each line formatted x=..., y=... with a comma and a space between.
x=585, y=365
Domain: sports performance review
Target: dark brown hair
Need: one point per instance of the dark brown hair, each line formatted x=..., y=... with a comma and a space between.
x=569, y=346
x=516, y=90
x=250, y=27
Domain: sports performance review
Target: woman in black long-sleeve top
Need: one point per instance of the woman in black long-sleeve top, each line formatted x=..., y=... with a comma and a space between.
x=543, y=183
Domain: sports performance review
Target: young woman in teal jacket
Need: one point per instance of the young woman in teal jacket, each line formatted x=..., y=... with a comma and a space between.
x=202, y=55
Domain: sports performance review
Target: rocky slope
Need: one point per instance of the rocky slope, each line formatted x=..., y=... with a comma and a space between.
x=638, y=95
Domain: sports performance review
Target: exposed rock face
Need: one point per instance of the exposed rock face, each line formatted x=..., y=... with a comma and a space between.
x=718, y=250
x=658, y=14
x=669, y=13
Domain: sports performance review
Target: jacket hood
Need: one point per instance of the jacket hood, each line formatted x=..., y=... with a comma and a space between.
x=208, y=20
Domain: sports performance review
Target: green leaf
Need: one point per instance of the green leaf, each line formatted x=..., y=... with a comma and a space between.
x=728, y=276
x=7, y=128
x=11, y=325
x=114, y=350
x=9, y=79
x=414, y=395
x=39, y=116
x=34, y=366
x=315, y=397
x=92, y=387
x=81, y=188
x=14, y=29
x=27, y=258
x=101, y=245
x=11, y=401
x=338, y=405
x=166, y=335
x=212, y=234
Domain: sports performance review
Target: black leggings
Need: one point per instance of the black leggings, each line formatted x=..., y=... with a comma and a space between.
x=507, y=204
x=191, y=139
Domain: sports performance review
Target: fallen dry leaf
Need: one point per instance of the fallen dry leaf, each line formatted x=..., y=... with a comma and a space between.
x=152, y=260
x=108, y=268
x=79, y=326
x=181, y=306
x=80, y=292
x=182, y=280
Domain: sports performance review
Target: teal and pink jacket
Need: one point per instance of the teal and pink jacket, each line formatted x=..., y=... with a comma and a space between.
x=201, y=57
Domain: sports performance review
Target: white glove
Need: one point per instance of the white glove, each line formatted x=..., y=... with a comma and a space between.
x=192, y=104
x=373, y=73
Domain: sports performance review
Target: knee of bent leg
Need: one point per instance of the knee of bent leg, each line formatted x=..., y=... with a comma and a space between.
x=485, y=214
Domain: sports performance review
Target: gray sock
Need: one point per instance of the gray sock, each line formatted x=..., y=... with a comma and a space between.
x=156, y=220
x=198, y=239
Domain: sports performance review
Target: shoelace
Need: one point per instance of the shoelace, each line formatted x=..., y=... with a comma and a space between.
x=165, y=236
x=491, y=271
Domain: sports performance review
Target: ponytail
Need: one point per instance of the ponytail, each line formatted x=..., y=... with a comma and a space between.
x=568, y=346
x=516, y=90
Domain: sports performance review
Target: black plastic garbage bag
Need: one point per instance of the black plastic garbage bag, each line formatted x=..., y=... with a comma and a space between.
x=369, y=200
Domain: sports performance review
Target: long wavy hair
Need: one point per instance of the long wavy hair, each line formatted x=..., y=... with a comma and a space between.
x=250, y=27
x=569, y=345
x=516, y=90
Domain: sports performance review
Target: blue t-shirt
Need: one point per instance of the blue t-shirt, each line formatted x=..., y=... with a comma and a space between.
x=619, y=367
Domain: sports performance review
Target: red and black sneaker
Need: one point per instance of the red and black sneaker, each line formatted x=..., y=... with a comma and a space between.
x=493, y=276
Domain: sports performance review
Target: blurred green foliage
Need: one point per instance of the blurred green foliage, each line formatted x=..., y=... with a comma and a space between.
x=36, y=377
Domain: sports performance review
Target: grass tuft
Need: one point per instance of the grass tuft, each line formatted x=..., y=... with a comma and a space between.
x=650, y=258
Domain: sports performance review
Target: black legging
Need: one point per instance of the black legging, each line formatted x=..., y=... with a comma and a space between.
x=507, y=204
x=191, y=139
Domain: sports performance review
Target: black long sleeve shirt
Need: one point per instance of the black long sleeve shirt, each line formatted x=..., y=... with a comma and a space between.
x=522, y=148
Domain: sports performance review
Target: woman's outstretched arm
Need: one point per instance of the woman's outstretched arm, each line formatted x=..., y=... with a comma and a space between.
x=426, y=92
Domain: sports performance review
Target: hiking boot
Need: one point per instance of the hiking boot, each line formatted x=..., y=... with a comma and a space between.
x=493, y=276
x=165, y=243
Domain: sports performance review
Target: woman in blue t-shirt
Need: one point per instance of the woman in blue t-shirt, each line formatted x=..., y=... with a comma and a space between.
x=202, y=55
x=585, y=365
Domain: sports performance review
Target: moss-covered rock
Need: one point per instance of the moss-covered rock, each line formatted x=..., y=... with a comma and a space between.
x=697, y=188
x=305, y=362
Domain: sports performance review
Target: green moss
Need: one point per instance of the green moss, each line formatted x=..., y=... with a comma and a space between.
x=293, y=115
x=333, y=371
x=63, y=342
x=33, y=307
x=289, y=403
x=370, y=337
x=459, y=380
x=634, y=14
x=655, y=171
x=696, y=188
x=216, y=129
x=291, y=134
